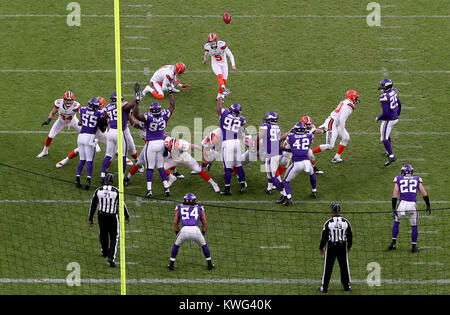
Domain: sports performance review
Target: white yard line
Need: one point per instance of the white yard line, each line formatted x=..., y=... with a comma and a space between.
x=136, y=48
x=140, y=5
x=275, y=247
x=431, y=247
x=428, y=263
x=138, y=26
x=318, y=71
x=215, y=281
x=150, y=201
x=407, y=146
x=408, y=107
x=412, y=159
x=136, y=37
x=135, y=60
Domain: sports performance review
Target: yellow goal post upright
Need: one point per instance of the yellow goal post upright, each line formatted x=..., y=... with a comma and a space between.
x=123, y=287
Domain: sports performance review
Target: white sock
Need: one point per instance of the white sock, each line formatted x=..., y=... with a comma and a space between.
x=165, y=184
x=149, y=185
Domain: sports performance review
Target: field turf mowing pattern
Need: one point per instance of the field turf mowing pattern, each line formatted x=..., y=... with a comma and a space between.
x=289, y=64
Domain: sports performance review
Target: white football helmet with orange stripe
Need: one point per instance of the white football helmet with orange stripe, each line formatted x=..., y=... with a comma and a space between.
x=212, y=40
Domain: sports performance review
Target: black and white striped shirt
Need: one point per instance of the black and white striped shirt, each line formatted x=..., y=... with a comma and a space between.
x=336, y=230
x=107, y=199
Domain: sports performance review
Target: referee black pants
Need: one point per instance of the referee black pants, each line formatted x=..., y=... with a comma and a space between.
x=334, y=251
x=109, y=234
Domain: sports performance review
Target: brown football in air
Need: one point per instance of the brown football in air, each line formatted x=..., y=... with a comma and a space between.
x=227, y=17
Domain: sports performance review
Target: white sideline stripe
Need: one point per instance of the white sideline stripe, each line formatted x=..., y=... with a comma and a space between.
x=140, y=5
x=138, y=26
x=431, y=247
x=137, y=48
x=208, y=71
x=412, y=159
x=133, y=231
x=136, y=37
x=135, y=60
x=214, y=201
x=275, y=247
x=148, y=15
x=220, y=281
x=407, y=146
x=428, y=263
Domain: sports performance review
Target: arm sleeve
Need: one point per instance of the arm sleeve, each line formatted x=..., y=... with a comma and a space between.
x=94, y=203
x=230, y=54
x=349, y=233
x=324, y=238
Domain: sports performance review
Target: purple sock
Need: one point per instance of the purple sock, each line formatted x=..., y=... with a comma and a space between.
x=124, y=164
x=105, y=163
x=228, y=172
x=277, y=183
x=206, y=251
x=241, y=173
x=414, y=234
x=162, y=174
x=90, y=167
x=313, y=181
x=387, y=145
x=80, y=167
x=174, y=252
x=395, y=229
x=287, y=187
x=149, y=174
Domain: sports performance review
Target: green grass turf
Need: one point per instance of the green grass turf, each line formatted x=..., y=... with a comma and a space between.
x=39, y=239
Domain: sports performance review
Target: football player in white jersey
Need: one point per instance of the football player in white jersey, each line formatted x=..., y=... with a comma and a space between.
x=335, y=126
x=165, y=79
x=178, y=153
x=218, y=50
x=67, y=108
x=211, y=144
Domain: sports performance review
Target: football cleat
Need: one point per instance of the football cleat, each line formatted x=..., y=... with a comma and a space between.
x=392, y=246
x=42, y=154
x=129, y=162
x=322, y=290
x=288, y=202
x=88, y=184
x=282, y=199
x=166, y=191
x=111, y=262
x=390, y=161
x=149, y=193
x=170, y=266
x=141, y=169
x=193, y=173
x=126, y=180
x=172, y=179
x=77, y=182
x=210, y=265
x=216, y=188
x=414, y=248
x=226, y=191
x=268, y=191
x=243, y=187
x=336, y=160
x=208, y=166
x=317, y=171
x=62, y=163
x=314, y=194
x=385, y=154
x=178, y=175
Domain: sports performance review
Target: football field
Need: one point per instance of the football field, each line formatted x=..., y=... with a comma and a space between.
x=293, y=57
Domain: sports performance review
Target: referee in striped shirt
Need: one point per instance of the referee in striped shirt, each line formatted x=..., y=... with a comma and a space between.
x=337, y=236
x=106, y=197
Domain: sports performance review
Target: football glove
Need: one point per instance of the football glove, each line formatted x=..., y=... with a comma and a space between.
x=46, y=122
x=429, y=209
x=376, y=119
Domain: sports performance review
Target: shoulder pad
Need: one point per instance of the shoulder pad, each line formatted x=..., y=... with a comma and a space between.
x=222, y=45
x=58, y=102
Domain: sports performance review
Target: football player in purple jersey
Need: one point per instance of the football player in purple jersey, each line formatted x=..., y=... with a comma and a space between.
x=155, y=123
x=190, y=213
x=90, y=119
x=232, y=125
x=270, y=133
x=112, y=134
x=299, y=142
x=392, y=107
x=407, y=185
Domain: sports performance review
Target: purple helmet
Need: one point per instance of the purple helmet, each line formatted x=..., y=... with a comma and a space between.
x=236, y=109
x=94, y=103
x=299, y=127
x=113, y=97
x=190, y=199
x=155, y=108
x=385, y=85
x=407, y=169
x=271, y=118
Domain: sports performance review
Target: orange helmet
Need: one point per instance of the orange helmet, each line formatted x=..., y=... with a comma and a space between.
x=352, y=96
x=307, y=121
x=102, y=102
x=68, y=98
x=180, y=68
